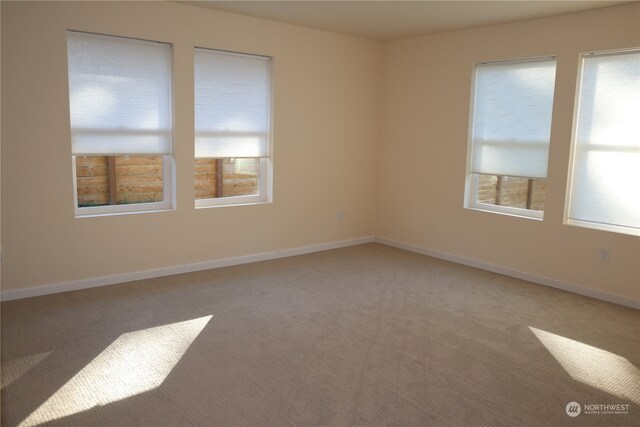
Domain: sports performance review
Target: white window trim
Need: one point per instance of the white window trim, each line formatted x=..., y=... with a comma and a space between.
x=265, y=187
x=165, y=205
x=168, y=170
x=572, y=155
x=263, y=196
x=602, y=227
x=471, y=183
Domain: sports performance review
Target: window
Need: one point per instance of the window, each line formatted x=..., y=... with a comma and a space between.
x=605, y=173
x=232, y=128
x=120, y=111
x=509, y=136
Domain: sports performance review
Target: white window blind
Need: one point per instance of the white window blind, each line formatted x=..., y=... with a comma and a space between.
x=119, y=95
x=232, y=104
x=606, y=154
x=511, y=125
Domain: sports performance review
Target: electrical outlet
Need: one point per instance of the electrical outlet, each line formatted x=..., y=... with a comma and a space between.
x=604, y=255
x=341, y=216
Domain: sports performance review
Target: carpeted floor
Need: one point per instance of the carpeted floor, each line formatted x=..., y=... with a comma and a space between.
x=365, y=335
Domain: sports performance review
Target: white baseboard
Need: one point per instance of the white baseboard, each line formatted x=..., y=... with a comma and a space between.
x=264, y=256
x=167, y=271
x=541, y=280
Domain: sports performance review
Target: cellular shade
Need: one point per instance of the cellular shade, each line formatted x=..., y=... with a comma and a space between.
x=119, y=95
x=231, y=104
x=606, y=168
x=511, y=125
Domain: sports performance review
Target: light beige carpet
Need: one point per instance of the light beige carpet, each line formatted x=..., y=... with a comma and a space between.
x=366, y=335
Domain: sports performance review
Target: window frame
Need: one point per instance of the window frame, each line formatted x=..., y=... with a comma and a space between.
x=265, y=177
x=472, y=203
x=168, y=162
x=471, y=181
x=569, y=194
x=166, y=204
x=263, y=195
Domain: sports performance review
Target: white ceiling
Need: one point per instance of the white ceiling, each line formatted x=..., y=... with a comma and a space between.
x=393, y=19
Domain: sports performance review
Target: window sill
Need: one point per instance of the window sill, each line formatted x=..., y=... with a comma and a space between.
x=603, y=227
x=513, y=212
x=231, y=201
x=105, y=211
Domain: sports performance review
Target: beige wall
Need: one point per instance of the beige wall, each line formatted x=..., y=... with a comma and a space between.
x=325, y=131
x=424, y=151
x=376, y=129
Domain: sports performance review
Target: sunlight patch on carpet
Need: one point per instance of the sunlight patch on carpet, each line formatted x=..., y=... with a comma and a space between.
x=592, y=366
x=134, y=363
x=14, y=369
